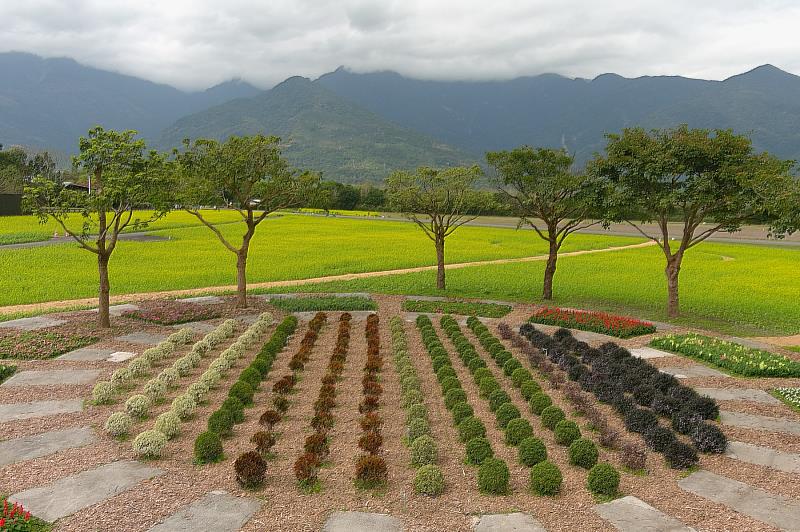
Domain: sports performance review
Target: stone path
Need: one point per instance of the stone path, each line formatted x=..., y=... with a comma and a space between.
x=776, y=510
x=361, y=522
x=52, y=377
x=88, y=354
x=68, y=495
x=17, y=411
x=692, y=371
x=30, y=447
x=142, y=338
x=630, y=514
x=217, y=511
x=118, y=310
x=201, y=327
x=32, y=324
x=202, y=300
x=738, y=394
x=514, y=522
x=755, y=421
x=763, y=456
x=120, y=356
x=648, y=353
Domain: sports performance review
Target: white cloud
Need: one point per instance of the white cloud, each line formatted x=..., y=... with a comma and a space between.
x=194, y=44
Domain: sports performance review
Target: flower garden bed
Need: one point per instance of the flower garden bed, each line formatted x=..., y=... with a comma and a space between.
x=599, y=322
x=731, y=357
x=487, y=310
x=169, y=312
x=316, y=303
x=790, y=396
x=40, y=345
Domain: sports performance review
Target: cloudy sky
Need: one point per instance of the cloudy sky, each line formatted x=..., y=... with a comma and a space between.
x=195, y=44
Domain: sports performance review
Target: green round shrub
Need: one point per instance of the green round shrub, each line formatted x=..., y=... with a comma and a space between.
x=183, y=406
x=429, y=480
x=207, y=447
x=480, y=373
x=444, y=372
x=539, y=401
x=236, y=408
x=440, y=362
x=424, y=451
x=137, y=406
x=242, y=391
x=155, y=389
x=149, y=444
x=502, y=356
x=478, y=449
x=506, y=413
x=221, y=422
x=583, y=453
x=529, y=388
x=603, y=480
x=262, y=367
x=487, y=386
x=450, y=383
x=493, y=476
x=475, y=364
x=517, y=430
x=471, y=427
x=417, y=410
x=519, y=376
x=168, y=424
x=118, y=424
x=409, y=382
x=453, y=397
x=546, y=478
x=532, y=450
x=102, y=393
x=510, y=365
x=498, y=397
x=252, y=377
x=418, y=427
x=551, y=416
x=411, y=397
x=461, y=411
x=198, y=391
x=566, y=432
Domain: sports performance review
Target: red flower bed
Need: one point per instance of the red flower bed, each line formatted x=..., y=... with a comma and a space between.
x=38, y=345
x=172, y=312
x=600, y=322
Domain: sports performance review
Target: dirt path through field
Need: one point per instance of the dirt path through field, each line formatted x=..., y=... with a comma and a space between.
x=189, y=292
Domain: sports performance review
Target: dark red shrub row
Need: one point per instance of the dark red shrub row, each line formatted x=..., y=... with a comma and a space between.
x=371, y=468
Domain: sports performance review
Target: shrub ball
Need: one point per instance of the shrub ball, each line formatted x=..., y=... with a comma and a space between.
x=478, y=449
x=532, y=450
x=545, y=478
x=566, y=432
x=506, y=413
x=207, y=447
x=424, y=451
x=517, y=430
x=471, y=427
x=493, y=476
x=429, y=480
x=551, y=416
x=539, y=401
x=583, y=453
x=603, y=480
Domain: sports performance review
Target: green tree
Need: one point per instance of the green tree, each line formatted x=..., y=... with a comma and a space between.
x=124, y=180
x=438, y=201
x=247, y=174
x=707, y=181
x=542, y=190
x=13, y=163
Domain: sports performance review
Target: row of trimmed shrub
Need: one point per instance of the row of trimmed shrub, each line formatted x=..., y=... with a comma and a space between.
x=493, y=473
x=150, y=443
x=428, y=479
x=639, y=393
x=371, y=468
x=545, y=476
x=317, y=446
x=137, y=406
x=208, y=445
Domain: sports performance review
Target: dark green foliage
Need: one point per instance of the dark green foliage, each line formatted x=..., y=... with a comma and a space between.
x=493, y=476
x=603, y=480
x=545, y=478
x=318, y=303
x=478, y=449
x=551, y=416
x=440, y=362
x=517, y=430
x=659, y=438
x=532, y=451
x=709, y=438
x=506, y=413
x=639, y=420
x=566, y=432
x=208, y=447
x=519, y=376
x=444, y=372
x=487, y=386
x=453, y=397
x=221, y=422
x=539, y=401
x=429, y=480
x=583, y=453
x=242, y=391
x=450, y=383
x=529, y=388
x=461, y=411
x=235, y=407
x=498, y=398
x=510, y=365
x=480, y=373
x=680, y=455
x=502, y=357
x=471, y=427
x=475, y=364
x=489, y=310
x=251, y=376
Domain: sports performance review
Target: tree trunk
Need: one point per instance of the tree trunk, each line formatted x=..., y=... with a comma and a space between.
x=550, y=271
x=241, y=278
x=103, y=316
x=672, y=271
x=440, y=263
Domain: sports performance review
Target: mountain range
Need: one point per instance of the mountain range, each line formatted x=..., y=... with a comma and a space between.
x=358, y=127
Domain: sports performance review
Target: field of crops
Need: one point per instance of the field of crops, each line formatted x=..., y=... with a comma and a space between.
x=286, y=247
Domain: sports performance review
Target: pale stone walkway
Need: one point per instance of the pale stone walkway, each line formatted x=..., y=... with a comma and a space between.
x=52, y=377
x=764, y=456
x=30, y=447
x=738, y=394
x=17, y=411
x=217, y=511
x=757, y=422
x=692, y=371
x=362, y=522
x=630, y=514
x=513, y=522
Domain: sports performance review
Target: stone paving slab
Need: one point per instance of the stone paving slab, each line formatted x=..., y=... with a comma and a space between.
x=755, y=421
x=30, y=447
x=630, y=514
x=88, y=354
x=202, y=300
x=692, y=371
x=201, y=327
x=361, y=522
x=52, y=377
x=748, y=342
x=17, y=411
x=217, y=511
x=738, y=394
x=776, y=510
x=120, y=356
x=142, y=338
x=68, y=495
x=32, y=324
x=764, y=456
x=648, y=353
x=514, y=522
x=119, y=310
x=248, y=319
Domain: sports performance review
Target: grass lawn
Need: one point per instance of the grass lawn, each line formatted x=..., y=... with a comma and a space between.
x=734, y=288
x=285, y=247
